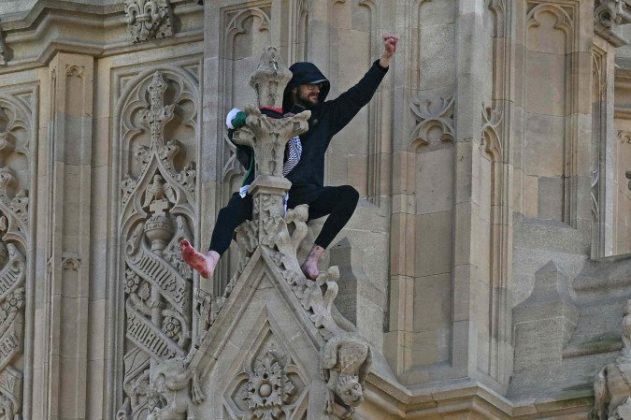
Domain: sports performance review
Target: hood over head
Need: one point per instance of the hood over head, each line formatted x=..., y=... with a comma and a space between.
x=304, y=73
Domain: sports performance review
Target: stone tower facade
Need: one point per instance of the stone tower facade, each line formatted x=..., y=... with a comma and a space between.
x=486, y=273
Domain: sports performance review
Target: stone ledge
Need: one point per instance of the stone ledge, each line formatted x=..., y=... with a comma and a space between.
x=394, y=400
x=103, y=31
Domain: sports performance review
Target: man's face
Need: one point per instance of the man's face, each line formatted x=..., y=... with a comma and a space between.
x=306, y=95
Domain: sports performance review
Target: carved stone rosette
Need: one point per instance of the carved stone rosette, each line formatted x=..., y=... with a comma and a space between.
x=158, y=207
x=15, y=132
x=148, y=19
x=270, y=384
x=268, y=388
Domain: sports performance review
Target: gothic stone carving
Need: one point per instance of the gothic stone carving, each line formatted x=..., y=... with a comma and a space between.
x=608, y=14
x=158, y=198
x=15, y=132
x=612, y=385
x=169, y=384
x=265, y=135
x=148, y=19
x=270, y=385
x=434, y=119
x=268, y=137
x=269, y=388
x=270, y=79
x=346, y=360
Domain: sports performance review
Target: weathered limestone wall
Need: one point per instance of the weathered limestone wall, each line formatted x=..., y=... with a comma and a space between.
x=487, y=262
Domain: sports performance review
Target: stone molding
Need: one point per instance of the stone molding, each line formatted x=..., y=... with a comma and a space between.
x=31, y=45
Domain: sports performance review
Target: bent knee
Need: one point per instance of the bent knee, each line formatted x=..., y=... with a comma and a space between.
x=350, y=193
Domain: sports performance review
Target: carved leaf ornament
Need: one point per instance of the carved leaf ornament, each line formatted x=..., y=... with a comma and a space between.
x=269, y=388
x=148, y=19
x=434, y=120
x=158, y=199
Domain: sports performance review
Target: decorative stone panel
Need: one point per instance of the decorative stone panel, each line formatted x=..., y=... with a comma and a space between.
x=16, y=131
x=158, y=209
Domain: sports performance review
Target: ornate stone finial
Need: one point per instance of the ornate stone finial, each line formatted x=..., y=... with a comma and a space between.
x=158, y=114
x=270, y=78
x=148, y=19
x=608, y=16
x=268, y=137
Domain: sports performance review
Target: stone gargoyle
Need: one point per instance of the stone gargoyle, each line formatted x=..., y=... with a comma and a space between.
x=612, y=385
x=169, y=382
x=346, y=360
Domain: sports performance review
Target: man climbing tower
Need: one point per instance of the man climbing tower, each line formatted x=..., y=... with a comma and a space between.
x=304, y=161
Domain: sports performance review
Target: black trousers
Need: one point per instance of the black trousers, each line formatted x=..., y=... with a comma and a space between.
x=337, y=202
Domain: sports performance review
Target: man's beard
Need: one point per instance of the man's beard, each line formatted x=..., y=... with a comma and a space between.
x=305, y=102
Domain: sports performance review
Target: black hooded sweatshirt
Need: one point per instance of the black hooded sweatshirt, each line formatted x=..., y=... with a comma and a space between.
x=327, y=118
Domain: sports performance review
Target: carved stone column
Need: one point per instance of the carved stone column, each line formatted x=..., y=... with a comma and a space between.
x=268, y=138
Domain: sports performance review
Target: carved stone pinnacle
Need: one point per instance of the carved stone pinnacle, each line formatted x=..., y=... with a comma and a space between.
x=268, y=136
x=270, y=78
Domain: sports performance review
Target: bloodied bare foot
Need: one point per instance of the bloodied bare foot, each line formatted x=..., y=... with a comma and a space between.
x=204, y=264
x=310, y=266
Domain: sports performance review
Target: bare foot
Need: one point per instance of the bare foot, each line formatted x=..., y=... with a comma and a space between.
x=204, y=264
x=310, y=266
x=310, y=270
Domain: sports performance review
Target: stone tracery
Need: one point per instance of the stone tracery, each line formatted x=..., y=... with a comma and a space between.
x=15, y=128
x=157, y=209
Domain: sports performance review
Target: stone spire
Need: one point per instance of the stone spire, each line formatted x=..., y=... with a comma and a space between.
x=270, y=78
x=268, y=137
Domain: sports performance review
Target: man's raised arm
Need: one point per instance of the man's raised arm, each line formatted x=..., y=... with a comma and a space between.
x=348, y=104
